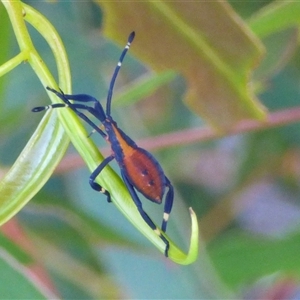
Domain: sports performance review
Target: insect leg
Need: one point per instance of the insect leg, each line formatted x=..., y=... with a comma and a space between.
x=95, y=173
x=168, y=205
x=66, y=97
x=46, y=107
x=96, y=111
x=144, y=215
x=81, y=98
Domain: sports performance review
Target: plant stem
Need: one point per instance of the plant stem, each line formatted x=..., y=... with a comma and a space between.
x=196, y=135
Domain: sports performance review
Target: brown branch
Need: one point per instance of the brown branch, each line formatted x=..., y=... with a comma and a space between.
x=196, y=135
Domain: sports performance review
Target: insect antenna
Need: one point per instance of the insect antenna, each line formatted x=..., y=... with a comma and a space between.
x=113, y=79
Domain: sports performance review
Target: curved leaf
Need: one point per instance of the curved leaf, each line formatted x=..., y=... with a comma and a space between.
x=33, y=167
x=49, y=142
x=206, y=42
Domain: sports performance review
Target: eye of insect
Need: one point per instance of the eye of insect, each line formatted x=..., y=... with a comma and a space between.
x=139, y=169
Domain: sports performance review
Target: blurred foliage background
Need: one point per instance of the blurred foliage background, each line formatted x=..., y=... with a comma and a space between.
x=244, y=188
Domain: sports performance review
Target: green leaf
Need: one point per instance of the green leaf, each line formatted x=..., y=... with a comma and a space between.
x=18, y=282
x=275, y=17
x=33, y=167
x=280, y=49
x=79, y=272
x=277, y=24
x=14, y=250
x=206, y=42
x=241, y=258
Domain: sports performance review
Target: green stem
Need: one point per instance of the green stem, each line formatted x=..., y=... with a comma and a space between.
x=12, y=63
x=46, y=29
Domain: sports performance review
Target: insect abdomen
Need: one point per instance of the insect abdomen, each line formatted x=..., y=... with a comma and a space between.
x=141, y=168
x=144, y=174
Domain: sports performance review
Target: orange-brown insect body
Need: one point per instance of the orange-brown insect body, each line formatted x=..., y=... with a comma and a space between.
x=140, y=167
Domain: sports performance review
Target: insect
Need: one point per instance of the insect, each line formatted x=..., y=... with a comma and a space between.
x=139, y=169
